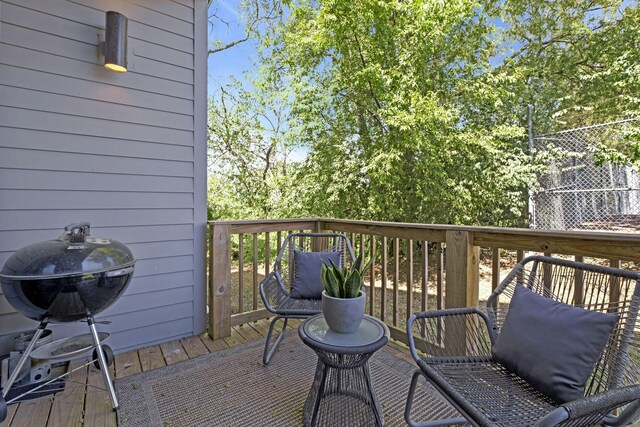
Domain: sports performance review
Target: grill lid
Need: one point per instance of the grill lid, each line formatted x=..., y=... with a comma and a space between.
x=75, y=252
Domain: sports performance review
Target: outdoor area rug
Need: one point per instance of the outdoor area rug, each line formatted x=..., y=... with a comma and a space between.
x=231, y=387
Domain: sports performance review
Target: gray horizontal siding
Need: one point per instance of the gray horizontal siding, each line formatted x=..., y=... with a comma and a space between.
x=81, y=199
x=15, y=239
x=145, y=12
x=39, y=100
x=33, y=59
x=16, y=158
x=103, y=146
x=24, y=179
x=64, y=85
x=85, y=51
x=51, y=219
x=160, y=332
x=78, y=14
x=82, y=125
x=123, y=151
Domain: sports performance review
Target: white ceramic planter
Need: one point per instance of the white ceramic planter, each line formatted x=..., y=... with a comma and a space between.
x=343, y=315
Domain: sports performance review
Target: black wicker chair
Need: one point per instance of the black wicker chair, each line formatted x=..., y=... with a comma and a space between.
x=275, y=289
x=453, y=349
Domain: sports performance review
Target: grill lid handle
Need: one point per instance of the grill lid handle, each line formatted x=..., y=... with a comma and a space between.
x=76, y=232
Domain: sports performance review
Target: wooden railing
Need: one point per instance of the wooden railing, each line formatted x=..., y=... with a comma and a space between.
x=416, y=266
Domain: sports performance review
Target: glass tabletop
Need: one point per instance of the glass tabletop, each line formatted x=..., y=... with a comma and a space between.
x=370, y=331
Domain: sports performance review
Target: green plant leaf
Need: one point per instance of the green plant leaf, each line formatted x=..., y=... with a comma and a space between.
x=353, y=285
x=356, y=264
x=330, y=281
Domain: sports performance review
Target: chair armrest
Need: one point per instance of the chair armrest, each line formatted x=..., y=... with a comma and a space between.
x=272, y=291
x=595, y=408
x=456, y=332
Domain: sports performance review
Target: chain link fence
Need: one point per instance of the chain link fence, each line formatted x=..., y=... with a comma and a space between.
x=577, y=194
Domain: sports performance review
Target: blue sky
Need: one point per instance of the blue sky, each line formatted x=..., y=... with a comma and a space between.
x=232, y=61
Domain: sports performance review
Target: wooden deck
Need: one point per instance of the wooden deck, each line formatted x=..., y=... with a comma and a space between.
x=82, y=404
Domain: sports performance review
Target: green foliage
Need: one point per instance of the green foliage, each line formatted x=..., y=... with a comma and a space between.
x=345, y=282
x=415, y=110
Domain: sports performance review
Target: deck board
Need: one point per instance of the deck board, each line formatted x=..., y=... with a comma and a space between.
x=97, y=410
x=68, y=407
x=127, y=364
x=151, y=358
x=173, y=352
x=194, y=347
x=85, y=402
x=248, y=332
x=32, y=412
x=11, y=411
x=212, y=345
x=235, y=338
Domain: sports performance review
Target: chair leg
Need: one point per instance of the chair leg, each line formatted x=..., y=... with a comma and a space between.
x=433, y=423
x=268, y=354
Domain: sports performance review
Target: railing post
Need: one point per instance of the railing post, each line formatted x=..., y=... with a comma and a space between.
x=220, y=282
x=318, y=245
x=462, y=269
x=462, y=286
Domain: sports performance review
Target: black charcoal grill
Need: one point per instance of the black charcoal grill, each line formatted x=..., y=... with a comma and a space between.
x=68, y=279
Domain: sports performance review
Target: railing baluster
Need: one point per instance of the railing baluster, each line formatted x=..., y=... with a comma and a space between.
x=409, y=278
x=396, y=278
x=267, y=254
x=372, y=275
x=547, y=272
x=439, y=277
x=241, y=273
x=439, y=288
x=279, y=239
x=255, y=271
x=495, y=273
x=425, y=275
x=614, y=293
x=578, y=295
x=383, y=290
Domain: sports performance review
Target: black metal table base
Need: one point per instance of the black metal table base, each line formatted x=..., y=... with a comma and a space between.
x=342, y=393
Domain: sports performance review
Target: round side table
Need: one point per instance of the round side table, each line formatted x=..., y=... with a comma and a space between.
x=341, y=393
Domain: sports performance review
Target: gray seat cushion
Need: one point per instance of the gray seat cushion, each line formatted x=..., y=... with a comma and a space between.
x=306, y=279
x=552, y=345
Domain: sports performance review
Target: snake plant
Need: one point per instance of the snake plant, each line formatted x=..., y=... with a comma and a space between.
x=343, y=282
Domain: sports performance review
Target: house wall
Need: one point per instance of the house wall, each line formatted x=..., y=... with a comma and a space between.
x=126, y=152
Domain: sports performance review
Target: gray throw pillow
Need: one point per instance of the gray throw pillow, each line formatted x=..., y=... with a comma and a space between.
x=306, y=279
x=551, y=345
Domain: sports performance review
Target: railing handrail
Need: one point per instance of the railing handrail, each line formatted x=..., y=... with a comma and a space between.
x=590, y=234
x=261, y=221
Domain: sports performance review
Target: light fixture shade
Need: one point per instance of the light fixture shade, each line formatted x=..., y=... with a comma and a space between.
x=115, y=42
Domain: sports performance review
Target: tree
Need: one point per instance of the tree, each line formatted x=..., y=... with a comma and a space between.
x=379, y=91
x=415, y=110
x=255, y=14
x=248, y=151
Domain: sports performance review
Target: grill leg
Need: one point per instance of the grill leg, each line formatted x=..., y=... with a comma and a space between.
x=104, y=368
x=24, y=357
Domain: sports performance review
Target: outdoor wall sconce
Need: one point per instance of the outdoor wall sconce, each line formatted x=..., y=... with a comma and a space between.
x=115, y=42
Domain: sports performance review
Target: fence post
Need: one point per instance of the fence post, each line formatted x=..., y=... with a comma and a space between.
x=220, y=282
x=462, y=269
